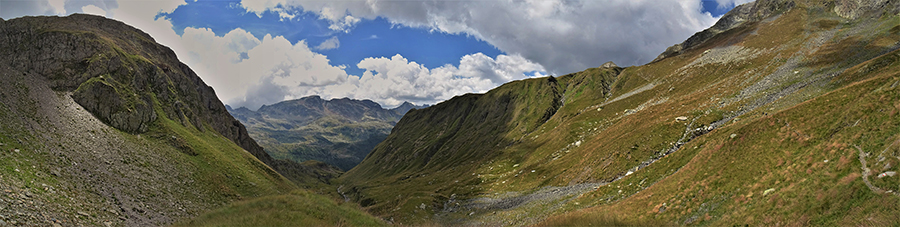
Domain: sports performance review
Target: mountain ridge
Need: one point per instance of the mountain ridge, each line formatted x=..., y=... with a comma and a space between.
x=625, y=147
x=105, y=127
x=340, y=132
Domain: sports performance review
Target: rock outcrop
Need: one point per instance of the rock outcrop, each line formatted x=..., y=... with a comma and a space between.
x=118, y=73
x=125, y=112
x=750, y=12
x=609, y=65
x=762, y=9
x=852, y=9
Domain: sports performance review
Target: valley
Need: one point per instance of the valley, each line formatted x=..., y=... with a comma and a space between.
x=339, y=132
x=782, y=113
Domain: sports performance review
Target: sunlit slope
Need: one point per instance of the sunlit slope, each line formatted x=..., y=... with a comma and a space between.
x=534, y=148
x=298, y=208
x=827, y=161
x=101, y=126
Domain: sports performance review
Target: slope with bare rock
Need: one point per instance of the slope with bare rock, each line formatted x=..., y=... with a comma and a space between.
x=754, y=121
x=104, y=127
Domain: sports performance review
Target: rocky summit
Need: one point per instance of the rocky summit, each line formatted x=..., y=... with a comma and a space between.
x=339, y=132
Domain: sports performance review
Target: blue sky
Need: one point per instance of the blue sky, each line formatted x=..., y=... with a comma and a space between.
x=369, y=38
x=256, y=52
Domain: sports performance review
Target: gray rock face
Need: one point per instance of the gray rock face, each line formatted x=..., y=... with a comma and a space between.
x=118, y=73
x=750, y=12
x=609, y=65
x=852, y=9
x=127, y=113
x=762, y=9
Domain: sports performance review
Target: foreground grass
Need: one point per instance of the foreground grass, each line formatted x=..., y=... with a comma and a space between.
x=607, y=220
x=298, y=208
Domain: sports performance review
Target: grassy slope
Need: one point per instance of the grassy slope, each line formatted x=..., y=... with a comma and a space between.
x=298, y=208
x=61, y=165
x=590, y=140
x=201, y=169
x=332, y=140
x=719, y=180
x=807, y=154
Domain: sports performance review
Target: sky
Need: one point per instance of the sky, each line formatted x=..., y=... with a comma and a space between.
x=260, y=52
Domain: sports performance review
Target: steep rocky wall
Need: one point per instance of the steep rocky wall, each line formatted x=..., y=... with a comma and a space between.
x=118, y=73
x=750, y=12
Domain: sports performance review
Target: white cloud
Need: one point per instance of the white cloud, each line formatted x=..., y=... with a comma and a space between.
x=92, y=9
x=246, y=71
x=58, y=6
x=260, y=6
x=14, y=9
x=329, y=44
x=563, y=35
x=94, y=6
x=274, y=70
x=391, y=81
x=729, y=3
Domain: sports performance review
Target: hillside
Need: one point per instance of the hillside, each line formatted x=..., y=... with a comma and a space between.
x=102, y=126
x=780, y=114
x=339, y=132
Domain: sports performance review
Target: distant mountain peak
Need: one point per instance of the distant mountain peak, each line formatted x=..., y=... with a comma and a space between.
x=406, y=107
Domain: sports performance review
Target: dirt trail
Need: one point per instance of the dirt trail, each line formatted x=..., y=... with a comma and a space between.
x=866, y=172
x=547, y=199
x=630, y=93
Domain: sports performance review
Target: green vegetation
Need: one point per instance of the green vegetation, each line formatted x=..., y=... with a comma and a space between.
x=115, y=135
x=762, y=106
x=298, y=208
x=339, y=132
x=785, y=120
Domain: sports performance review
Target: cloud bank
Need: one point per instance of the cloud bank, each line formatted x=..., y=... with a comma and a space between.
x=556, y=36
x=563, y=35
x=252, y=72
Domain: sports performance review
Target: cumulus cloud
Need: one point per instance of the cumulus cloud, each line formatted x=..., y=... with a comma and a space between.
x=563, y=35
x=94, y=6
x=727, y=3
x=329, y=44
x=246, y=71
x=275, y=70
x=14, y=9
x=250, y=72
x=340, y=19
x=391, y=81
x=92, y=9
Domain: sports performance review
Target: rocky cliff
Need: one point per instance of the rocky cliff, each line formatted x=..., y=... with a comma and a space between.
x=118, y=73
x=104, y=127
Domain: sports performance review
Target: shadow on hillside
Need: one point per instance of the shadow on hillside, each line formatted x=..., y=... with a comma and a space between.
x=432, y=153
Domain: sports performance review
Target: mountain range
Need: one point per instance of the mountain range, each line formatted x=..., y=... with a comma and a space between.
x=339, y=132
x=782, y=113
x=102, y=126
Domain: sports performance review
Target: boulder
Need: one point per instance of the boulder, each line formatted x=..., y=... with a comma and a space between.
x=609, y=65
x=121, y=110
